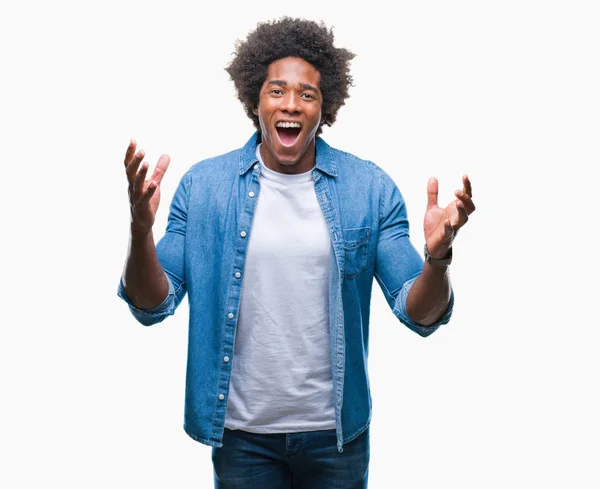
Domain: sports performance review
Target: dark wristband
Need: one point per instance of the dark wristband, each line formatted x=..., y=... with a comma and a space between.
x=438, y=261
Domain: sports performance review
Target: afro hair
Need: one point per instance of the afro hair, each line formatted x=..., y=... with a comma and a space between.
x=291, y=37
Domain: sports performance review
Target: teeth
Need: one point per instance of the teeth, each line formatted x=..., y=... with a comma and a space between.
x=288, y=124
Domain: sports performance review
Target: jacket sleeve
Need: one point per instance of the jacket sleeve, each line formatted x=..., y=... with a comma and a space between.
x=171, y=255
x=398, y=263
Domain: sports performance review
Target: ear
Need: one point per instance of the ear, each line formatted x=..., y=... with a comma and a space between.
x=255, y=111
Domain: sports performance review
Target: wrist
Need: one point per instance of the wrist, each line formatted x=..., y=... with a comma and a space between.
x=442, y=261
x=139, y=232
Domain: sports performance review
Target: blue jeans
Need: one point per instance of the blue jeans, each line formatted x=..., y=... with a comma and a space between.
x=305, y=460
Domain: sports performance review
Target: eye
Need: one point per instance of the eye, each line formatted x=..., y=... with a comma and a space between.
x=276, y=91
x=308, y=96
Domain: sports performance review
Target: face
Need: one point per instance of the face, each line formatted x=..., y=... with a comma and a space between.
x=289, y=113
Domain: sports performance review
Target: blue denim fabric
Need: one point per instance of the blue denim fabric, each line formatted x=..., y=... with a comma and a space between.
x=307, y=460
x=204, y=247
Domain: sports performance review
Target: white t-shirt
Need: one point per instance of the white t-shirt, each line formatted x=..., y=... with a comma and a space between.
x=281, y=370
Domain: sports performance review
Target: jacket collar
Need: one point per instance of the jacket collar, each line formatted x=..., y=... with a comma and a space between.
x=325, y=159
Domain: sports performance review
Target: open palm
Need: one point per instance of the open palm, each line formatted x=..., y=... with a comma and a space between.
x=144, y=194
x=442, y=223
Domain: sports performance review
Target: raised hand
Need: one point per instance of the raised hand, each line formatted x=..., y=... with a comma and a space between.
x=442, y=224
x=144, y=194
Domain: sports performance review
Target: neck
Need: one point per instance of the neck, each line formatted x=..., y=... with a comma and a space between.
x=304, y=164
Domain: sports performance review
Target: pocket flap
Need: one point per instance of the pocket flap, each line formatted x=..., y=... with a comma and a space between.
x=355, y=237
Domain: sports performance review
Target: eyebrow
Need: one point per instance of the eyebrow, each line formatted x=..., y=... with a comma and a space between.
x=283, y=83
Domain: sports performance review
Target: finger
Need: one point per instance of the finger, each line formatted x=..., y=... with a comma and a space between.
x=448, y=232
x=448, y=229
x=147, y=195
x=161, y=168
x=467, y=186
x=130, y=151
x=466, y=200
x=461, y=218
x=140, y=178
x=432, y=192
x=132, y=168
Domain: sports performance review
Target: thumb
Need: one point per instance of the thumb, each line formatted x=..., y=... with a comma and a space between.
x=161, y=168
x=432, y=193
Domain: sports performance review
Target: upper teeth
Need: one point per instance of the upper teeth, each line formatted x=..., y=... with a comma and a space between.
x=288, y=124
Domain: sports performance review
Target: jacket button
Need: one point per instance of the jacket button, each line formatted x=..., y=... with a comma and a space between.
x=226, y=359
x=243, y=234
x=230, y=315
x=221, y=397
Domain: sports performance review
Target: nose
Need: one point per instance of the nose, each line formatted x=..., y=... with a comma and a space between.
x=291, y=102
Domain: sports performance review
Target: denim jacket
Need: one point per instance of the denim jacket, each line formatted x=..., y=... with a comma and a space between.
x=203, y=253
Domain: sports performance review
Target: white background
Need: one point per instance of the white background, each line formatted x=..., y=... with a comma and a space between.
x=503, y=396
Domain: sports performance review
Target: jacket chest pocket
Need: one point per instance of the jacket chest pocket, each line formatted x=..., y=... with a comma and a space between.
x=356, y=248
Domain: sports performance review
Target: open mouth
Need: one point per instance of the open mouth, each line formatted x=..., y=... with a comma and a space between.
x=288, y=132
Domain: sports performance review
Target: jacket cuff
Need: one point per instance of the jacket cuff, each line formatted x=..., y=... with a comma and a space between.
x=159, y=312
x=402, y=314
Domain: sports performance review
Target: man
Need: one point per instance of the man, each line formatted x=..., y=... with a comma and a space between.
x=277, y=245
